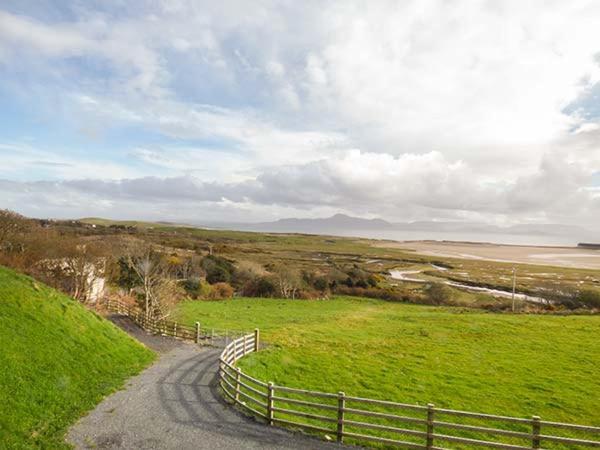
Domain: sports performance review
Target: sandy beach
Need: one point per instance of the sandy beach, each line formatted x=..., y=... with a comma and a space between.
x=550, y=256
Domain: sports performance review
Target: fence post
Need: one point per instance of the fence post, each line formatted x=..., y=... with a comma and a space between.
x=256, y=339
x=270, y=394
x=536, y=426
x=197, y=332
x=175, y=329
x=237, y=384
x=430, y=419
x=340, y=423
x=244, y=351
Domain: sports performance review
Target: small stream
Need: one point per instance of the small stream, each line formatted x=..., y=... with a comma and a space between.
x=409, y=275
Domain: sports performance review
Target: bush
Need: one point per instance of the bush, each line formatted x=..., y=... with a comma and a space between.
x=246, y=272
x=218, y=274
x=191, y=287
x=438, y=294
x=218, y=270
x=361, y=284
x=588, y=298
x=570, y=298
x=372, y=281
x=204, y=290
x=220, y=291
x=320, y=284
x=259, y=287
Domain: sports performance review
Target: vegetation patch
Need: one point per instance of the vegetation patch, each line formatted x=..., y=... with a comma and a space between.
x=57, y=361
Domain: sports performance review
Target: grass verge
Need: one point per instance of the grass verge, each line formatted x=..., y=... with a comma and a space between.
x=57, y=361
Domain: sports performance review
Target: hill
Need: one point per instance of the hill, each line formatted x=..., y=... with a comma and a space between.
x=57, y=361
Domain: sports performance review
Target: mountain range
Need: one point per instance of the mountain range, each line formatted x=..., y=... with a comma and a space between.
x=344, y=224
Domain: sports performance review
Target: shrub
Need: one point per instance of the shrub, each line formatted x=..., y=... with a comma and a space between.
x=218, y=270
x=588, y=298
x=259, y=287
x=372, y=281
x=191, y=287
x=204, y=290
x=361, y=284
x=245, y=272
x=570, y=298
x=320, y=284
x=220, y=291
x=438, y=294
x=218, y=274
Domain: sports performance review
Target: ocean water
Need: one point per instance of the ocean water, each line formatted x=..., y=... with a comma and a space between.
x=496, y=238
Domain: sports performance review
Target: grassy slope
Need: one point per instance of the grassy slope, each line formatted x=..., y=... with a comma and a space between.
x=57, y=361
x=505, y=364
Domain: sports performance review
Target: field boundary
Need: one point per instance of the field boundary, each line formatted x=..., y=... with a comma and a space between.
x=356, y=420
x=197, y=334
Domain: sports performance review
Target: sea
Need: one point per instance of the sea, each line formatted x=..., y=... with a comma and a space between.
x=495, y=238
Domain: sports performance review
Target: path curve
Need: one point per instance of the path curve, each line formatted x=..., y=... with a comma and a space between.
x=176, y=404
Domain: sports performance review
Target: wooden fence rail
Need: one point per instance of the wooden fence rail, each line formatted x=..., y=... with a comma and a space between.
x=198, y=334
x=363, y=420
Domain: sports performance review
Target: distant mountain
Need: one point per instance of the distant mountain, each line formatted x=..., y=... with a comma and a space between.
x=343, y=224
x=338, y=221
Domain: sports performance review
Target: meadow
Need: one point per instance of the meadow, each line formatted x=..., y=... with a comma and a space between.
x=519, y=365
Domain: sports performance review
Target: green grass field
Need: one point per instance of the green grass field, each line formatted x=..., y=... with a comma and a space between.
x=517, y=365
x=57, y=361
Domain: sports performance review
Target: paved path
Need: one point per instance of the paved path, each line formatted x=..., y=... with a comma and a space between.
x=175, y=404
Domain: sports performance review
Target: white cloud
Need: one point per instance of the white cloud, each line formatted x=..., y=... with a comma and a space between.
x=419, y=108
x=405, y=187
x=26, y=161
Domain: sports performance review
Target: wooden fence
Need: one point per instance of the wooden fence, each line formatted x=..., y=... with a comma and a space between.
x=198, y=334
x=359, y=420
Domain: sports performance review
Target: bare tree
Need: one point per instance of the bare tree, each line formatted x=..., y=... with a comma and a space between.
x=85, y=263
x=152, y=272
x=288, y=281
x=74, y=265
x=11, y=223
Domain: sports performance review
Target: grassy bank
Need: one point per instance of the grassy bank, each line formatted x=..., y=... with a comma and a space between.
x=504, y=364
x=57, y=361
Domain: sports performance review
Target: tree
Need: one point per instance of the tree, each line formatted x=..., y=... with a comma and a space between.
x=11, y=224
x=287, y=280
x=150, y=270
x=85, y=265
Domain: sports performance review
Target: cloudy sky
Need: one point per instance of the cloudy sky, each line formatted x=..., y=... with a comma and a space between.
x=252, y=111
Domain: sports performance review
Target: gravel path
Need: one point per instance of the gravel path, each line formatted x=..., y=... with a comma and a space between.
x=175, y=404
x=160, y=344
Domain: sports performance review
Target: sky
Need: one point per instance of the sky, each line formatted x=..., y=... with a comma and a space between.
x=203, y=111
